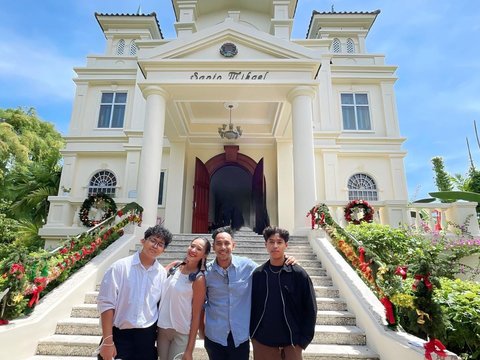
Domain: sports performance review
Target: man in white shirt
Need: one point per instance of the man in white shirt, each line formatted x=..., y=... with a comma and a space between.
x=128, y=300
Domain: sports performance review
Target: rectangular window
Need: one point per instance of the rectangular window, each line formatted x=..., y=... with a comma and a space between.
x=112, y=110
x=161, y=189
x=355, y=112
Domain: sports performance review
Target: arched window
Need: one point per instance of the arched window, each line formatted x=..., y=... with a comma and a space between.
x=362, y=187
x=336, y=46
x=350, y=46
x=120, y=47
x=102, y=182
x=133, y=48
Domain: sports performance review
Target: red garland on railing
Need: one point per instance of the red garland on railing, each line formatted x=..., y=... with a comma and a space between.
x=311, y=213
x=388, y=310
x=434, y=346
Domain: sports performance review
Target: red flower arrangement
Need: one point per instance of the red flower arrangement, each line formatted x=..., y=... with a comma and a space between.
x=353, y=210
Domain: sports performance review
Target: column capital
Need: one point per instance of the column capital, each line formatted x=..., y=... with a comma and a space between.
x=301, y=90
x=148, y=90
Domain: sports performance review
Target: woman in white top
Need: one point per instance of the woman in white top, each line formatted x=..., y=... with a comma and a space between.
x=182, y=301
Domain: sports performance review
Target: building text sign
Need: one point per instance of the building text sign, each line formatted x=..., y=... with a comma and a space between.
x=231, y=75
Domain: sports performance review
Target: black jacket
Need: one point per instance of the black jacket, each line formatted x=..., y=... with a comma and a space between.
x=299, y=302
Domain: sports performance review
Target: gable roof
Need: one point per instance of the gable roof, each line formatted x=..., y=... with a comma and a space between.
x=335, y=16
x=149, y=21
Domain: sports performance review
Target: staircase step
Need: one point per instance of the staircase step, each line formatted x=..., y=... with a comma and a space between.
x=321, y=280
x=339, y=334
x=333, y=304
x=326, y=291
x=313, y=351
x=52, y=357
x=79, y=326
x=85, y=311
x=338, y=352
x=335, y=317
x=68, y=345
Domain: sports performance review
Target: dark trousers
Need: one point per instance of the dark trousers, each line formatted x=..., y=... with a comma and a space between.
x=136, y=344
x=216, y=351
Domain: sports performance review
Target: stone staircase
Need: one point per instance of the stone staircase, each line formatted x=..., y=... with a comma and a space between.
x=336, y=335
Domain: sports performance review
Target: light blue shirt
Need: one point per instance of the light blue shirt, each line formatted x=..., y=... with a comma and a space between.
x=229, y=295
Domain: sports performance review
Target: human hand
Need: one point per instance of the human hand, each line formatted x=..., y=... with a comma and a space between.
x=290, y=260
x=187, y=356
x=108, y=351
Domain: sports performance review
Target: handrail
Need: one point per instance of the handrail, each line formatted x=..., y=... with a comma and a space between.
x=41, y=271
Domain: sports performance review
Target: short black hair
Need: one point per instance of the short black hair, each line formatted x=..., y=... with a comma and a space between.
x=269, y=231
x=161, y=232
x=223, y=229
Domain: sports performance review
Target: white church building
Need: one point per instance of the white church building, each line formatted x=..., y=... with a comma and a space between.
x=233, y=121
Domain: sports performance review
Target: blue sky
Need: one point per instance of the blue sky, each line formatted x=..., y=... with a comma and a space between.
x=435, y=44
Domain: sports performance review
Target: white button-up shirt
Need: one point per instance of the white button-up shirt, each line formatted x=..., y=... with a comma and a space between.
x=132, y=291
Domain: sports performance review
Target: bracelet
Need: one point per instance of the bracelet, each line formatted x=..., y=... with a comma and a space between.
x=112, y=344
x=105, y=338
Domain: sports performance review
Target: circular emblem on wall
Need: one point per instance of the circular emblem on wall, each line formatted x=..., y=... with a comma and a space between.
x=228, y=50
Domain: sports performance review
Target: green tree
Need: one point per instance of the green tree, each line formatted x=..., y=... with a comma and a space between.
x=442, y=179
x=30, y=187
x=25, y=139
x=29, y=173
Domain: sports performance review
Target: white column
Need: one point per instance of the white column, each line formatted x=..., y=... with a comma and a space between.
x=175, y=187
x=151, y=156
x=305, y=193
x=285, y=196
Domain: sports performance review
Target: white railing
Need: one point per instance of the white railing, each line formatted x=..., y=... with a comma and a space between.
x=435, y=216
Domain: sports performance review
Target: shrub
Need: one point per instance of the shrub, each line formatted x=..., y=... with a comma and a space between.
x=460, y=303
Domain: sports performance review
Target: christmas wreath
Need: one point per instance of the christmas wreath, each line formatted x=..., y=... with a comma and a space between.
x=357, y=211
x=97, y=208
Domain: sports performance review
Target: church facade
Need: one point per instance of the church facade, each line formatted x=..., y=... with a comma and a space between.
x=233, y=121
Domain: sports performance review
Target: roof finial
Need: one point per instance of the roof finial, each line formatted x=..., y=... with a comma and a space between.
x=333, y=10
x=139, y=10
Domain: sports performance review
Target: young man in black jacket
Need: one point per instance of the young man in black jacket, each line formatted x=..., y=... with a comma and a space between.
x=284, y=308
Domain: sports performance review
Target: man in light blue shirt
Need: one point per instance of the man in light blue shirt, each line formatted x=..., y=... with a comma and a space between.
x=229, y=282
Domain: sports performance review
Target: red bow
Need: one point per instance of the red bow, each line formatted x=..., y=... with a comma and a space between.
x=322, y=218
x=364, y=266
x=41, y=284
x=402, y=271
x=361, y=251
x=388, y=310
x=434, y=346
x=425, y=280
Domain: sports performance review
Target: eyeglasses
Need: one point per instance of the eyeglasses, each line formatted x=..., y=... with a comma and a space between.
x=160, y=244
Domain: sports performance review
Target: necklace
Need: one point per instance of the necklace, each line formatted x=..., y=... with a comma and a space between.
x=275, y=272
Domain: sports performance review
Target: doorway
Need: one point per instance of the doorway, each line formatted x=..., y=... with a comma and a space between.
x=230, y=198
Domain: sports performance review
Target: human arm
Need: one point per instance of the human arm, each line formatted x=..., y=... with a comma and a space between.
x=172, y=264
x=201, y=328
x=309, y=307
x=199, y=292
x=107, y=346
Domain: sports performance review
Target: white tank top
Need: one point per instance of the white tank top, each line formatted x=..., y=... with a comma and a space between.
x=175, y=309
